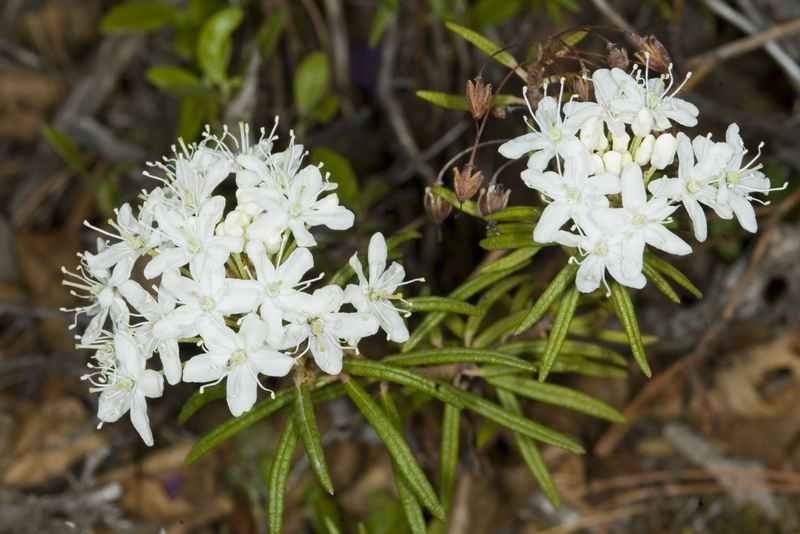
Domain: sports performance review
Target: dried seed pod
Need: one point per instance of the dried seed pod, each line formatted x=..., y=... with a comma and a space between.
x=479, y=97
x=437, y=208
x=617, y=57
x=493, y=199
x=467, y=182
x=650, y=51
x=582, y=87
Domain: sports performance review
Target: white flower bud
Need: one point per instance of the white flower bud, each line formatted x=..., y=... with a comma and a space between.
x=238, y=217
x=596, y=164
x=246, y=178
x=627, y=159
x=220, y=230
x=620, y=142
x=645, y=150
x=664, y=151
x=593, y=135
x=250, y=208
x=612, y=161
x=643, y=123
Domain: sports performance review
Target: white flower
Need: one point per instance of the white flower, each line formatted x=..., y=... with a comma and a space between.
x=606, y=93
x=324, y=325
x=154, y=310
x=124, y=384
x=739, y=182
x=645, y=150
x=192, y=238
x=301, y=207
x=570, y=195
x=640, y=221
x=373, y=295
x=593, y=135
x=664, y=151
x=552, y=136
x=136, y=238
x=198, y=172
x=208, y=293
x=238, y=356
x=694, y=182
x=276, y=283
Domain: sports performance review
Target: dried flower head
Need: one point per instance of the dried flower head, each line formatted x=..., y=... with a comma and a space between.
x=437, y=208
x=467, y=182
x=479, y=97
x=492, y=199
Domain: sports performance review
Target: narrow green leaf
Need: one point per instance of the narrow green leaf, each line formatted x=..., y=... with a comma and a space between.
x=506, y=241
x=459, y=102
x=487, y=301
x=271, y=31
x=341, y=173
x=193, y=112
x=558, y=396
x=277, y=476
x=449, y=452
x=311, y=82
x=488, y=47
x=558, y=331
x=661, y=283
x=548, y=296
x=309, y=432
x=137, y=16
x=516, y=258
x=666, y=268
x=176, y=81
x=513, y=227
x=325, y=515
x=455, y=355
x=579, y=348
x=456, y=325
x=493, y=12
x=529, y=451
x=64, y=147
x=515, y=213
x=214, y=43
x=521, y=299
x=390, y=373
x=498, y=329
x=396, y=445
x=468, y=206
x=384, y=15
x=441, y=304
x=200, y=398
x=362, y=529
x=627, y=316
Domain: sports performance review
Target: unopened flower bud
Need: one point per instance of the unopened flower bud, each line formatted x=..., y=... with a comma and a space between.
x=643, y=123
x=593, y=134
x=664, y=151
x=493, y=199
x=467, y=182
x=436, y=207
x=479, y=97
x=617, y=57
x=645, y=150
x=651, y=52
x=612, y=161
x=597, y=164
x=619, y=142
x=627, y=159
x=582, y=87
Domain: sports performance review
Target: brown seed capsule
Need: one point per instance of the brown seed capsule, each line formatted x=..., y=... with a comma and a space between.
x=582, y=87
x=617, y=57
x=479, y=97
x=493, y=199
x=466, y=182
x=437, y=208
x=652, y=52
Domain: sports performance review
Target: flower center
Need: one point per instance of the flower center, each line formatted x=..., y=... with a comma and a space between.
x=694, y=186
x=124, y=384
x=317, y=327
x=296, y=210
x=554, y=134
x=572, y=193
x=601, y=249
x=207, y=304
x=273, y=289
x=236, y=359
x=135, y=242
x=653, y=100
x=734, y=178
x=639, y=220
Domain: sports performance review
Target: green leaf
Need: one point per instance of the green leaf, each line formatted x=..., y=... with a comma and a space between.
x=579, y=348
x=341, y=173
x=193, y=112
x=200, y=398
x=529, y=451
x=137, y=16
x=396, y=445
x=488, y=47
x=558, y=331
x=449, y=452
x=549, y=296
x=389, y=373
x=409, y=502
x=515, y=259
x=326, y=109
x=325, y=515
x=214, y=44
x=487, y=300
x=515, y=213
x=441, y=304
x=277, y=476
x=384, y=15
x=493, y=12
x=558, y=396
x=498, y=329
x=271, y=31
x=661, y=283
x=627, y=316
x=672, y=273
x=468, y=206
x=64, y=147
x=176, y=81
x=453, y=355
x=307, y=426
x=509, y=241
x=459, y=102
x=311, y=82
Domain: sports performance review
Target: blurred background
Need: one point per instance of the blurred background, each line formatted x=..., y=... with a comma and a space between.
x=91, y=89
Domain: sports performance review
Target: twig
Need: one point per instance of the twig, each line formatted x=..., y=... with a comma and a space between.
x=339, y=50
x=611, y=14
x=703, y=64
x=781, y=57
x=635, y=409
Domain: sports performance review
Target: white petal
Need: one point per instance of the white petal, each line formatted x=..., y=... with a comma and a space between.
x=352, y=326
x=539, y=160
x=139, y=418
x=327, y=354
x=241, y=390
x=128, y=354
x=166, y=260
x=217, y=336
x=295, y=267
x=271, y=362
x=661, y=238
x=239, y=296
x=204, y=368
x=355, y=296
x=698, y=218
x=151, y=384
x=519, y=146
x=376, y=257
x=392, y=323
x=112, y=405
x=632, y=185
x=744, y=213
x=168, y=352
x=553, y=218
x=590, y=274
x=253, y=332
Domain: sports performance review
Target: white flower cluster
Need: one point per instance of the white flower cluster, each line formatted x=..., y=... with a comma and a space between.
x=615, y=187
x=233, y=283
